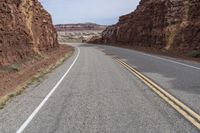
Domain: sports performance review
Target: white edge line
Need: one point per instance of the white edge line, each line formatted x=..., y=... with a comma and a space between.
x=25, y=124
x=183, y=64
x=164, y=59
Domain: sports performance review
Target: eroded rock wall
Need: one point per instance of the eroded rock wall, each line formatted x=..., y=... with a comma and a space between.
x=26, y=29
x=164, y=24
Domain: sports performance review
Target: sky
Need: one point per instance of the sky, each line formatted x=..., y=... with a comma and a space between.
x=96, y=11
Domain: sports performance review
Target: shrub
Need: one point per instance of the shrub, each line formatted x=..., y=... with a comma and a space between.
x=195, y=54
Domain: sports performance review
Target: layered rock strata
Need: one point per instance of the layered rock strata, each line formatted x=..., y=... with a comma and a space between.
x=162, y=24
x=78, y=32
x=26, y=29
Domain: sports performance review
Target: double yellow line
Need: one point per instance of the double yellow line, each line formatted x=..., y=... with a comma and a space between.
x=184, y=110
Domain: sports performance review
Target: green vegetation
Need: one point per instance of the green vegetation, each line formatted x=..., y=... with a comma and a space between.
x=11, y=68
x=194, y=54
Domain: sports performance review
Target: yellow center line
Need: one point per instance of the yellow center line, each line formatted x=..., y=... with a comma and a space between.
x=184, y=110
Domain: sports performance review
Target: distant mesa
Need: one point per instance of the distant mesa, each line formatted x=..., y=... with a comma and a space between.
x=79, y=27
x=81, y=32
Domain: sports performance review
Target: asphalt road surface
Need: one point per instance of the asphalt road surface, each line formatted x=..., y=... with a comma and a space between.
x=92, y=93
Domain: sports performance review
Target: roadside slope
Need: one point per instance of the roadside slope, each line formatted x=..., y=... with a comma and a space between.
x=28, y=45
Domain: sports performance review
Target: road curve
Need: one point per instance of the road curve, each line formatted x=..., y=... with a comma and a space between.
x=179, y=77
x=97, y=95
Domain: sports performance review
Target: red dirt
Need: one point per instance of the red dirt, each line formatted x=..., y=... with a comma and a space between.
x=30, y=68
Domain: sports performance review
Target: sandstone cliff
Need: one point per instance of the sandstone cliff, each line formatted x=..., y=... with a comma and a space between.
x=163, y=24
x=25, y=29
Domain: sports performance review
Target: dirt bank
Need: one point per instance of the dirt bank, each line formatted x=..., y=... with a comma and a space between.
x=16, y=77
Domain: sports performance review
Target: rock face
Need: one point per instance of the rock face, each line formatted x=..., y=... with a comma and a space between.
x=79, y=27
x=163, y=24
x=78, y=36
x=25, y=29
x=79, y=32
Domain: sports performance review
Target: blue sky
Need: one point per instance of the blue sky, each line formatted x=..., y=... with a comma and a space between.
x=80, y=11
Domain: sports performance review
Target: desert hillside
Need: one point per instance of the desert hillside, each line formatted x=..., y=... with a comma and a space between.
x=28, y=46
x=172, y=25
x=25, y=29
x=78, y=32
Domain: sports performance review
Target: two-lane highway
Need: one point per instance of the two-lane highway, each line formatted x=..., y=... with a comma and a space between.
x=179, y=77
x=92, y=93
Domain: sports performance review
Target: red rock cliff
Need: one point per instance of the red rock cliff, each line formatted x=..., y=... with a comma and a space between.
x=167, y=24
x=25, y=29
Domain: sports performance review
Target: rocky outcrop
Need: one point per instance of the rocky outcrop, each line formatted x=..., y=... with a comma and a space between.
x=78, y=32
x=80, y=27
x=163, y=24
x=78, y=36
x=25, y=29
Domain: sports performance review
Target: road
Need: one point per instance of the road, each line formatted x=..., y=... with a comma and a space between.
x=92, y=93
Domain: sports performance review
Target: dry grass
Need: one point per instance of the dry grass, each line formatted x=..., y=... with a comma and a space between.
x=36, y=78
x=11, y=68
